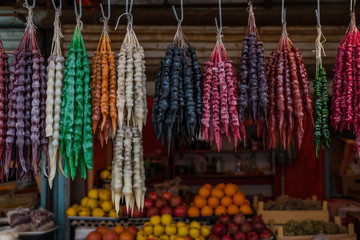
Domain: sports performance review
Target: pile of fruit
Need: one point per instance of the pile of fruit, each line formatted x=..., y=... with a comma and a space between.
x=220, y=200
x=286, y=202
x=97, y=204
x=167, y=203
x=312, y=227
x=119, y=232
x=105, y=174
x=163, y=228
x=238, y=228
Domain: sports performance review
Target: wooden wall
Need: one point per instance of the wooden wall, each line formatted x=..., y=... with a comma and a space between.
x=155, y=39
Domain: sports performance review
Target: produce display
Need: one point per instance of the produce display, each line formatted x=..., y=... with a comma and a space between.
x=103, y=88
x=239, y=228
x=289, y=94
x=75, y=119
x=128, y=171
x=220, y=91
x=24, y=99
x=222, y=199
x=163, y=228
x=286, y=202
x=25, y=220
x=312, y=227
x=167, y=203
x=177, y=108
x=321, y=112
x=97, y=203
x=119, y=232
x=253, y=100
x=55, y=75
x=346, y=84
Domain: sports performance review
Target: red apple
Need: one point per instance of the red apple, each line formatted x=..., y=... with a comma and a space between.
x=110, y=235
x=175, y=201
x=94, y=235
x=166, y=210
x=213, y=237
x=266, y=234
x=232, y=228
x=180, y=211
x=132, y=229
x=160, y=203
x=219, y=229
x=239, y=219
x=153, y=196
x=224, y=219
x=258, y=226
x=252, y=236
x=226, y=237
x=148, y=203
x=166, y=195
x=245, y=227
x=153, y=211
x=239, y=236
x=137, y=214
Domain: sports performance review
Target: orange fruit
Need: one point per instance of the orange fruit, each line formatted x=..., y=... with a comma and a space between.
x=126, y=236
x=239, y=198
x=246, y=209
x=213, y=202
x=193, y=212
x=220, y=186
x=247, y=202
x=207, y=186
x=204, y=192
x=230, y=189
x=226, y=201
x=217, y=193
x=233, y=209
x=119, y=229
x=199, y=202
x=220, y=210
x=207, y=211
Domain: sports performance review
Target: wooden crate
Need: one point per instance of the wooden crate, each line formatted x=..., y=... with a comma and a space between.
x=283, y=216
x=350, y=236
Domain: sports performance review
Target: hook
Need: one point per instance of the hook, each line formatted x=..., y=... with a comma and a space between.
x=78, y=15
x=127, y=8
x=219, y=29
x=129, y=16
x=102, y=11
x=54, y=5
x=182, y=12
x=27, y=4
x=283, y=13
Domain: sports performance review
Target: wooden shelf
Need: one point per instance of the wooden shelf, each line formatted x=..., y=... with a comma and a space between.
x=227, y=178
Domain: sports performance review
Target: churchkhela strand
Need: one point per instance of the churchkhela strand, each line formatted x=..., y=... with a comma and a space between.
x=177, y=109
x=253, y=100
x=55, y=74
x=75, y=123
x=26, y=96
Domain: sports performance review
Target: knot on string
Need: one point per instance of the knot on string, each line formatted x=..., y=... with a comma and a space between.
x=320, y=39
x=57, y=24
x=79, y=23
x=29, y=19
x=219, y=37
x=105, y=29
x=352, y=19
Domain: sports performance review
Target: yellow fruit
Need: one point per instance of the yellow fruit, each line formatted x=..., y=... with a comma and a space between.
x=201, y=238
x=104, y=174
x=205, y=231
x=164, y=237
x=183, y=231
x=92, y=203
x=76, y=206
x=98, y=212
x=180, y=224
x=179, y=238
x=155, y=220
x=195, y=224
x=140, y=236
x=159, y=230
x=84, y=201
x=71, y=212
x=84, y=212
x=148, y=230
x=170, y=229
x=93, y=194
x=173, y=237
x=109, y=177
x=112, y=213
x=166, y=219
x=104, y=195
x=194, y=233
x=107, y=206
x=152, y=237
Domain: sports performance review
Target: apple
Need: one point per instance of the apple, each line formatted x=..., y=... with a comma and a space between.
x=175, y=201
x=166, y=195
x=153, y=196
x=166, y=210
x=180, y=211
x=148, y=203
x=160, y=203
x=153, y=211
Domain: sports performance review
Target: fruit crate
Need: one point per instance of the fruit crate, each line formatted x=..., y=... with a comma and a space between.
x=283, y=216
x=351, y=235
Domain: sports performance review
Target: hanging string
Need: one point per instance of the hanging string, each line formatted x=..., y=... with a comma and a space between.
x=56, y=42
x=320, y=39
x=78, y=15
x=105, y=20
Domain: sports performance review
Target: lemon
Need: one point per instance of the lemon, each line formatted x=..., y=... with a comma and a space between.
x=172, y=237
x=195, y=224
x=166, y=219
x=93, y=194
x=104, y=194
x=107, y=206
x=158, y=230
x=205, y=231
x=147, y=223
x=84, y=212
x=183, y=231
x=112, y=213
x=148, y=229
x=98, y=212
x=155, y=220
x=141, y=236
x=180, y=224
x=152, y=237
x=84, y=201
x=92, y=203
x=104, y=174
x=164, y=237
x=76, y=206
x=170, y=229
x=71, y=212
x=201, y=238
x=194, y=233
x=179, y=238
